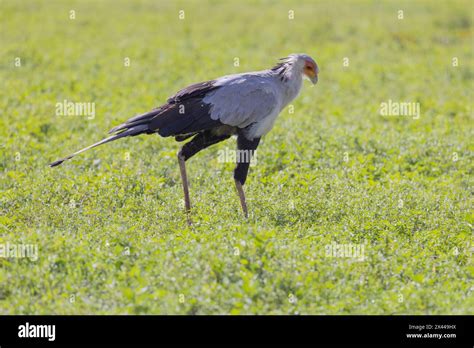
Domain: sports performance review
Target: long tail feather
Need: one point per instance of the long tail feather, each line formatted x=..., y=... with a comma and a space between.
x=137, y=120
x=129, y=132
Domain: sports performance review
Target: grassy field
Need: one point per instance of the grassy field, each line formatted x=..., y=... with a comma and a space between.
x=109, y=225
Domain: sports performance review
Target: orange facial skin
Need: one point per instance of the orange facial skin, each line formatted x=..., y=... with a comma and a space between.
x=311, y=69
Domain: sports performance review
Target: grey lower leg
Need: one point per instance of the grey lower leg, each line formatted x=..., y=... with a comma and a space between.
x=184, y=179
x=242, y=168
x=199, y=142
x=243, y=203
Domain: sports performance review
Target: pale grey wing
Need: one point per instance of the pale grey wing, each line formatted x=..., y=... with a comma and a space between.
x=243, y=100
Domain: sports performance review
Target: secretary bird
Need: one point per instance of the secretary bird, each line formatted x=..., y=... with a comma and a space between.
x=245, y=105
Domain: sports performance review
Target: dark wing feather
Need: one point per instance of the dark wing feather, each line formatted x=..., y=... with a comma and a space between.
x=190, y=115
x=184, y=113
x=197, y=90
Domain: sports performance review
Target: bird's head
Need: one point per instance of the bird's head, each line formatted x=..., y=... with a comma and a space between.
x=308, y=67
x=300, y=64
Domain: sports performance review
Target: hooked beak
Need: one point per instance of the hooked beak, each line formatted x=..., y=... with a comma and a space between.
x=314, y=79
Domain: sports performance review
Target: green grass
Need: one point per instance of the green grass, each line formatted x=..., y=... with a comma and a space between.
x=111, y=232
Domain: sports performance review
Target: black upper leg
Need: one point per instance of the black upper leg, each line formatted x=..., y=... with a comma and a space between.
x=243, y=159
x=200, y=142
